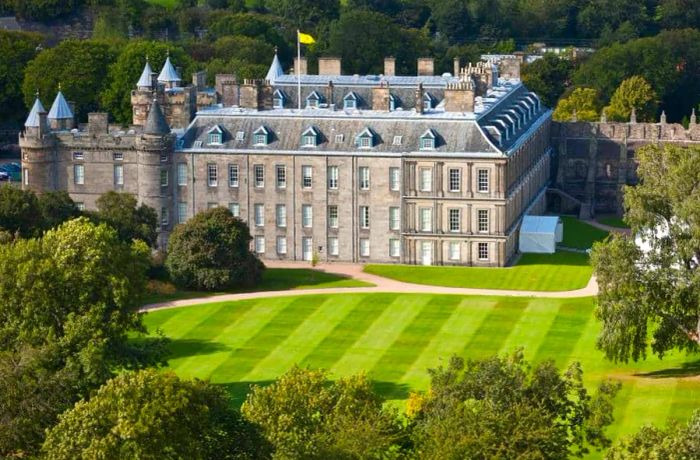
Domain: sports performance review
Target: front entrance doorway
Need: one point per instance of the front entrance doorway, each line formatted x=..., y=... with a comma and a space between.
x=426, y=253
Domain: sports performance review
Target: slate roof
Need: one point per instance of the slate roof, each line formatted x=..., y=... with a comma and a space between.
x=60, y=110
x=145, y=81
x=168, y=74
x=156, y=123
x=33, y=120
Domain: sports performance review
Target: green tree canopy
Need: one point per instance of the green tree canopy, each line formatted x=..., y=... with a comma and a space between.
x=634, y=93
x=16, y=49
x=582, y=101
x=304, y=415
x=305, y=13
x=43, y=10
x=548, y=77
x=675, y=441
x=19, y=211
x=149, y=415
x=212, y=251
x=132, y=222
x=502, y=408
x=126, y=70
x=56, y=208
x=79, y=66
x=649, y=294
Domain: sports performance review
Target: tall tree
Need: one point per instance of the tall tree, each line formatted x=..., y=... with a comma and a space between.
x=212, y=251
x=132, y=222
x=56, y=208
x=152, y=414
x=548, y=77
x=19, y=211
x=78, y=66
x=634, y=93
x=650, y=288
x=17, y=49
x=304, y=415
x=305, y=13
x=501, y=408
x=583, y=102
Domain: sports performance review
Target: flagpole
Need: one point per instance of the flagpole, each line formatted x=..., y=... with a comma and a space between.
x=298, y=70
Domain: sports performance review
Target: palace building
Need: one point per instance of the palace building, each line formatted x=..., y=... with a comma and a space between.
x=425, y=169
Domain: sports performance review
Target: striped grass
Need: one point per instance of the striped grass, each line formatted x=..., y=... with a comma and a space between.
x=395, y=338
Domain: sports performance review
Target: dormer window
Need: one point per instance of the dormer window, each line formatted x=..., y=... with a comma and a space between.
x=309, y=138
x=350, y=101
x=261, y=136
x=428, y=101
x=427, y=140
x=393, y=102
x=313, y=100
x=216, y=136
x=366, y=139
x=278, y=99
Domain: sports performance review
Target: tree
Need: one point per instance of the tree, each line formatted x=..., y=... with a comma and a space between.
x=548, y=77
x=212, y=251
x=633, y=93
x=304, y=415
x=678, y=14
x=56, y=208
x=582, y=101
x=19, y=211
x=596, y=15
x=501, y=408
x=79, y=66
x=17, y=49
x=69, y=301
x=675, y=441
x=452, y=19
x=44, y=10
x=305, y=13
x=132, y=222
x=649, y=293
x=126, y=70
x=152, y=414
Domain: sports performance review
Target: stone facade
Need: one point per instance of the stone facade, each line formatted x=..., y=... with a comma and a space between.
x=398, y=177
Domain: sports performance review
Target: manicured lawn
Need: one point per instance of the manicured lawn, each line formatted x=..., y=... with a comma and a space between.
x=613, y=221
x=580, y=235
x=274, y=279
x=562, y=271
x=396, y=337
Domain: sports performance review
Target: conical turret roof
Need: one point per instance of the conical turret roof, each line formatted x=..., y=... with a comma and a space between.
x=156, y=123
x=33, y=120
x=275, y=69
x=168, y=74
x=60, y=109
x=146, y=80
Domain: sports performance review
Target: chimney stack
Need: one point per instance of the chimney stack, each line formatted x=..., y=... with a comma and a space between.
x=301, y=66
x=419, y=99
x=255, y=95
x=227, y=87
x=98, y=123
x=459, y=97
x=330, y=100
x=389, y=66
x=199, y=79
x=380, y=97
x=329, y=66
x=426, y=67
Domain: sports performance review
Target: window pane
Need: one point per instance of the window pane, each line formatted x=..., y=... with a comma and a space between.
x=364, y=217
x=281, y=176
x=233, y=176
x=281, y=245
x=181, y=212
x=306, y=215
x=455, y=180
x=333, y=216
x=333, y=177
x=483, y=180
x=118, y=175
x=182, y=174
x=306, y=179
x=426, y=219
x=259, y=215
x=394, y=179
x=394, y=248
x=163, y=178
x=364, y=247
x=483, y=220
x=364, y=178
x=333, y=246
x=212, y=175
x=281, y=214
x=393, y=218
x=426, y=180
x=235, y=209
x=483, y=249
x=454, y=218
x=259, y=172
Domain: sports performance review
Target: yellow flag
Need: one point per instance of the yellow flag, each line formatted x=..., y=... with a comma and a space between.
x=306, y=39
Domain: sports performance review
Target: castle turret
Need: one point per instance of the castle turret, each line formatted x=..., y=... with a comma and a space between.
x=168, y=76
x=61, y=116
x=275, y=70
x=145, y=82
x=37, y=145
x=155, y=168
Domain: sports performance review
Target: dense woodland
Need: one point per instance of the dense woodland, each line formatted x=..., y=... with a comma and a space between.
x=657, y=40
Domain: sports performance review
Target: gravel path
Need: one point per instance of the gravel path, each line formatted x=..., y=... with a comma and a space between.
x=381, y=285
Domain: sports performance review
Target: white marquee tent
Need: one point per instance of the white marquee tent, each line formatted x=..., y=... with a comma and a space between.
x=541, y=234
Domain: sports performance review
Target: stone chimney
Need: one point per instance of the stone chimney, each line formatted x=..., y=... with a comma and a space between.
x=301, y=67
x=419, y=98
x=510, y=68
x=98, y=123
x=459, y=97
x=199, y=79
x=255, y=95
x=329, y=66
x=426, y=67
x=482, y=73
x=227, y=88
x=330, y=99
x=389, y=66
x=456, y=66
x=380, y=97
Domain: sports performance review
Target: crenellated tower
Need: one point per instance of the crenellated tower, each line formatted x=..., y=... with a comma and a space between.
x=38, y=151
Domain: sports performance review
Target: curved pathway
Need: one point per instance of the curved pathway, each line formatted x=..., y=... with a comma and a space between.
x=381, y=284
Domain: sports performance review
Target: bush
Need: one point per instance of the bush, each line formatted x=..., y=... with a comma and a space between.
x=211, y=252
